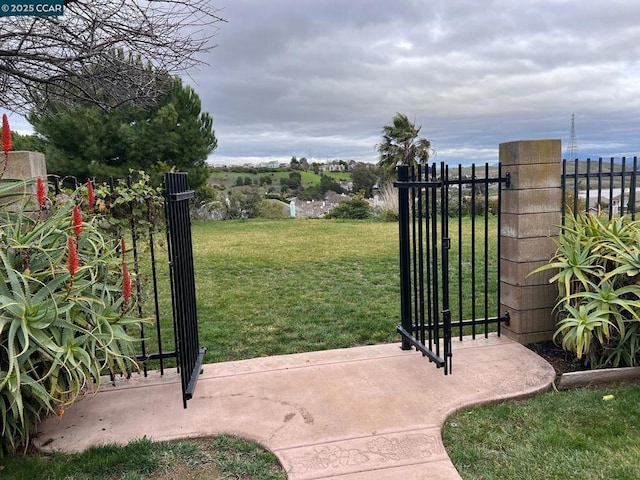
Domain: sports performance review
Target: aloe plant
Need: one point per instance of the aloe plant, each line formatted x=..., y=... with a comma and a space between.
x=597, y=271
x=64, y=315
x=580, y=325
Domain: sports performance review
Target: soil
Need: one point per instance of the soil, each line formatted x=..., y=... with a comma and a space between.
x=559, y=359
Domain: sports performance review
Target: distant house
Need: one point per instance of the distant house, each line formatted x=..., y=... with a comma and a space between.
x=613, y=203
x=272, y=164
x=332, y=167
x=617, y=206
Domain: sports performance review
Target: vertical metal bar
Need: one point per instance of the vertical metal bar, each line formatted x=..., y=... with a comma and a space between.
x=575, y=186
x=499, y=240
x=611, y=178
x=486, y=250
x=136, y=267
x=460, y=263
x=587, y=204
x=600, y=183
x=634, y=186
x=405, y=273
x=418, y=313
x=473, y=251
x=154, y=279
x=448, y=354
x=564, y=192
x=111, y=189
x=622, y=185
x=446, y=244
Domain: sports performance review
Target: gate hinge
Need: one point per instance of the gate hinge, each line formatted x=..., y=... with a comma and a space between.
x=446, y=243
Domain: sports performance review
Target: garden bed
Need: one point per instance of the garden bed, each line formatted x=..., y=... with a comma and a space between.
x=573, y=373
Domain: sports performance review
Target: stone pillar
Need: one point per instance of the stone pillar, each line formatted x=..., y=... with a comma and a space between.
x=23, y=166
x=531, y=215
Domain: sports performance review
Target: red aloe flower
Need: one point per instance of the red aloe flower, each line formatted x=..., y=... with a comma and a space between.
x=126, y=286
x=6, y=134
x=72, y=260
x=6, y=140
x=41, y=195
x=77, y=221
x=91, y=196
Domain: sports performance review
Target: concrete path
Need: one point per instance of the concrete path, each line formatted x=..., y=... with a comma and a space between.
x=371, y=412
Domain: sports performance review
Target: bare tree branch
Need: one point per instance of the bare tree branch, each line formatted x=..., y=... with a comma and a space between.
x=103, y=53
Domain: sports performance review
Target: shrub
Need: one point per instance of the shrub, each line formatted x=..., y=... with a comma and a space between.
x=598, y=279
x=65, y=293
x=357, y=208
x=272, y=209
x=311, y=193
x=388, y=209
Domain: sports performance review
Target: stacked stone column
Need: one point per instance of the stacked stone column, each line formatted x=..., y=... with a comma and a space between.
x=531, y=215
x=23, y=166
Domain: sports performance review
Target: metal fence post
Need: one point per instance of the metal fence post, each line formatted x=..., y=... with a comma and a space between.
x=405, y=261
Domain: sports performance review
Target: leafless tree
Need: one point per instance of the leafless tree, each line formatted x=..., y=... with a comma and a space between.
x=102, y=52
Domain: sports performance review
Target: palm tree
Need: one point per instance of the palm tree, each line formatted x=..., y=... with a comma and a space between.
x=401, y=145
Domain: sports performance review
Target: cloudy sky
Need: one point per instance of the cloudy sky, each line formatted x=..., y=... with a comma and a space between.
x=319, y=78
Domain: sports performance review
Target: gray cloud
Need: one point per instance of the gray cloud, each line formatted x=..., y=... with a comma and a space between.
x=319, y=78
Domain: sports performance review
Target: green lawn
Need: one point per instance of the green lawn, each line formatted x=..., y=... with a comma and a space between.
x=218, y=458
x=570, y=435
x=275, y=287
x=268, y=287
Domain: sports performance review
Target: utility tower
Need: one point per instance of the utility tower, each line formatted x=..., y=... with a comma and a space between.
x=572, y=147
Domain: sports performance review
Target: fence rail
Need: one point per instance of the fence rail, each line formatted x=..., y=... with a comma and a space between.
x=607, y=185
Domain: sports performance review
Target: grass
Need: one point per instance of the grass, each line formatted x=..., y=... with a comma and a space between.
x=557, y=435
x=269, y=287
x=293, y=286
x=217, y=458
x=275, y=287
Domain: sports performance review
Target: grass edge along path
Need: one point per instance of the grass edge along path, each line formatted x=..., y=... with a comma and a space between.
x=576, y=434
x=208, y=458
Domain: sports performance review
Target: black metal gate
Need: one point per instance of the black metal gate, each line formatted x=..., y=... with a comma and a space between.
x=183, y=291
x=424, y=254
x=188, y=352
x=427, y=303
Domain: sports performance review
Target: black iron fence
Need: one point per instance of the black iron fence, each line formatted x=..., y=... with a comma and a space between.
x=610, y=186
x=164, y=278
x=150, y=275
x=449, y=256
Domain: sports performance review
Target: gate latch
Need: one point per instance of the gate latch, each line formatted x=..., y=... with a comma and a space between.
x=446, y=243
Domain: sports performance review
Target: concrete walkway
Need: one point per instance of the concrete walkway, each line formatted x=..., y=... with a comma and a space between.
x=371, y=412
